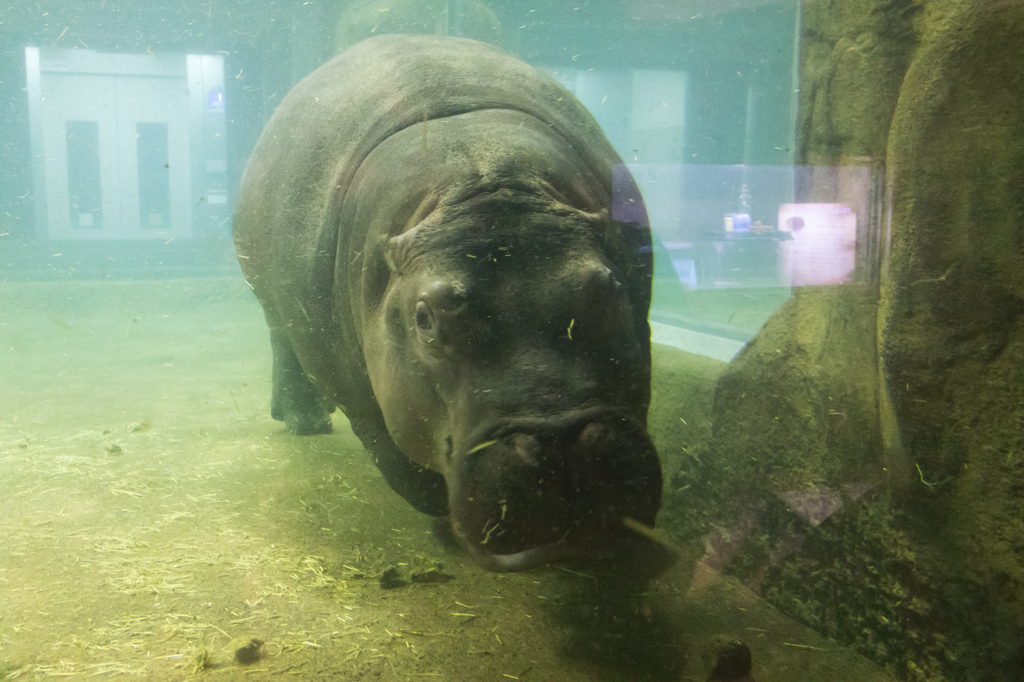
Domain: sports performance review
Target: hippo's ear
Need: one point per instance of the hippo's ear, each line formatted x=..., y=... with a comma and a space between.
x=394, y=251
x=397, y=249
x=552, y=192
x=634, y=256
x=602, y=225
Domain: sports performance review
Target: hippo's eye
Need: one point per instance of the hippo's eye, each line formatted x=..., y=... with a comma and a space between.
x=424, y=318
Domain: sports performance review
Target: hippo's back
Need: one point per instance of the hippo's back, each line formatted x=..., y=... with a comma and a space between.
x=312, y=146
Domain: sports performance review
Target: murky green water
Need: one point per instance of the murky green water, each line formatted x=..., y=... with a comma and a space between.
x=833, y=198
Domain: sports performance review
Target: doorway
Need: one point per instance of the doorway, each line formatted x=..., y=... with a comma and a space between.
x=130, y=147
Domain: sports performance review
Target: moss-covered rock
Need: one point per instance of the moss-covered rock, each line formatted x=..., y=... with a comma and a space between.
x=854, y=579
x=952, y=321
x=866, y=471
x=795, y=412
x=682, y=390
x=853, y=57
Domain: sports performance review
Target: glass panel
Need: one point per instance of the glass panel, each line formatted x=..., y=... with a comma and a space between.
x=84, y=195
x=154, y=176
x=450, y=217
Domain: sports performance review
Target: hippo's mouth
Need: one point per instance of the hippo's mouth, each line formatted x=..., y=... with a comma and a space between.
x=637, y=548
x=552, y=552
x=554, y=490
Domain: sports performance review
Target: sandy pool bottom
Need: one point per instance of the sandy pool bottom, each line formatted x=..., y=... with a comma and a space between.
x=155, y=520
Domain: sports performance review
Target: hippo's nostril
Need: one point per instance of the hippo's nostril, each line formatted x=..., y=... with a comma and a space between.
x=527, y=447
x=554, y=488
x=593, y=434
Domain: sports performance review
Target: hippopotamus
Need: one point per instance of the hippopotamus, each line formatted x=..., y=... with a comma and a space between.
x=447, y=248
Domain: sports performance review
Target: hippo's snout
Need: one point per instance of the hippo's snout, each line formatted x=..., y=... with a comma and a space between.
x=536, y=491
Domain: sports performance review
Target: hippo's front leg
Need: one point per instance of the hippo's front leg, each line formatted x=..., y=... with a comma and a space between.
x=293, y=399
x=423, y=488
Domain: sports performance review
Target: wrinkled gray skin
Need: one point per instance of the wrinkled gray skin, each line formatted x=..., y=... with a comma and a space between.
x=428, y=223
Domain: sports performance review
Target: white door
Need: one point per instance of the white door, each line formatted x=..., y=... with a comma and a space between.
x=116, y=156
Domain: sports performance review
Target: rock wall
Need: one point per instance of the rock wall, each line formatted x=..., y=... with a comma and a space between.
x=866, y=470
x=853, y=56
x=951, y=330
